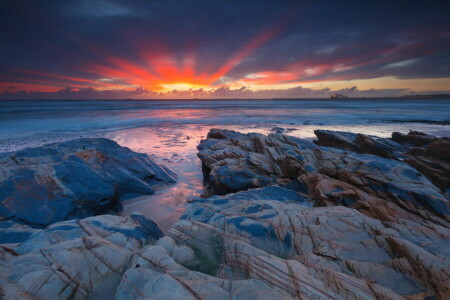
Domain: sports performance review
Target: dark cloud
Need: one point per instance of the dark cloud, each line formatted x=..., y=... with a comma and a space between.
x=127, y=44
x=217, y=93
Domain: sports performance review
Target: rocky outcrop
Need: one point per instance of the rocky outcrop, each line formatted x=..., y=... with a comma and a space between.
x=79, y=178
x=235, y=162
x=297, y=221
x=324, y=252
x=428, y=154
x=393, y=229
x=76, y=259
x=112, y=257
x=361, y=143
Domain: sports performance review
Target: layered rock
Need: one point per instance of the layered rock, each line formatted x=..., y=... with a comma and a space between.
x=77, y=259
x=110, y=257
x=79, y=178
x=323, y=252
x=298, y=221
x=235, y=162
x=390, y=241
x=428, y=154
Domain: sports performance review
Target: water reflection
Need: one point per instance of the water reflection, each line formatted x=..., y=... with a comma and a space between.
x=174, y=146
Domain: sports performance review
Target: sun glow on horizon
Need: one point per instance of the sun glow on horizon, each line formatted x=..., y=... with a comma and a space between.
x=181, y=86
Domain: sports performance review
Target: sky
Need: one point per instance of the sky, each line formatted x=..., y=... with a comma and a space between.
x=101, y=49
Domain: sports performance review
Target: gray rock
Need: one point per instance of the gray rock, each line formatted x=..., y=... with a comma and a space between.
x=253, y=160
x=428, y=154
x=335, y=245
x=415, y=138
x=360, y=143
x=323, y=224
x=73, y=179
x=76, y=259
x=11, y=232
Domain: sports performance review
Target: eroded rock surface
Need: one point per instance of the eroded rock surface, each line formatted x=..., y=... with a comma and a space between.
x=390, y=241
x=234, y=162
x=111, y=257
x=335, y=252
x=79, y=178
x=428, y=154
x=76, y=259
x=297, y=221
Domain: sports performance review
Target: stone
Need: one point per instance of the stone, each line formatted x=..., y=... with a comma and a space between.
x=76, y=259
x=74, y=179
x=231, y=168
x=360, y=143
x=415, y=138
x=429, y=155
x=324, y=223
x=327, y=248
x=12, y=232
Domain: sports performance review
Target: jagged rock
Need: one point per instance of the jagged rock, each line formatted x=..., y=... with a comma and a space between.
x=415, y=138
x=360, y=143
x=234, y=162
x=336, y=139
x=76, y=259
x=127, y=232
x=79, y=178
x=280, y=130
x=335, y=252
x=437, y=171
x=432, y=158
x=325, y=224
x=156, y=275
x=439, y=149
x=113, y=257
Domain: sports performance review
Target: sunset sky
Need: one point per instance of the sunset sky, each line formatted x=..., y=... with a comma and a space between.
x=222, y=49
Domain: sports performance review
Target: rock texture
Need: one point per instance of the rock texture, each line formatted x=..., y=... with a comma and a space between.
x=110, y=257
x=79, y=178
x=76, y=259
x=292, y=220
x=428, y=154
x=359, y=226
x=235, y=162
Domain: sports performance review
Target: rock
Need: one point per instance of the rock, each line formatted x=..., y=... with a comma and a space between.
x=439, y=149
x=336, y=139
x=394, y=229
x=76, y=259
x=327, y=224
x=114, y=258
x=11, y=232
x=436, y=170
x=73, y=179
x=241, y=162
x=360, y=143
x=415, y=138
x=432, y=158
x=278, y=130
x=130, y=232
x=158, y=276
x=326, y=247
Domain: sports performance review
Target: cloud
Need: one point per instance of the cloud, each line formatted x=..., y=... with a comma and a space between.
x=120, y=44
x=216, y=93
